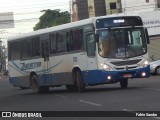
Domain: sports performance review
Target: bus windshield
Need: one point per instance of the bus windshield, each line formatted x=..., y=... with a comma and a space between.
x=122, y=42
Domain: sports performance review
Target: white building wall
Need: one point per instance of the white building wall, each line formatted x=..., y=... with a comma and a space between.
x=151, y=20
x=137, y=6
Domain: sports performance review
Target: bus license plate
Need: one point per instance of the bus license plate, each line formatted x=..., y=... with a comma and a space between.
x=127, y=75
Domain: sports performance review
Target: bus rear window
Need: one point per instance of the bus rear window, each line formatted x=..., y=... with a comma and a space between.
x=14, y=50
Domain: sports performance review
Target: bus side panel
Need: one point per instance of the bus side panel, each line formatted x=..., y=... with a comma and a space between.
x=60, y=68
x=20, y=81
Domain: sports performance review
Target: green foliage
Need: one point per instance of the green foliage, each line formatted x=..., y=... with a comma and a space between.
x=52, y=18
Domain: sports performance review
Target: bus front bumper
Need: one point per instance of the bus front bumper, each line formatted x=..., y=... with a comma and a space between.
x=102, y=76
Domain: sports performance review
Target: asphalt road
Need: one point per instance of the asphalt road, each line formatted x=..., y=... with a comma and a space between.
x=141, y=95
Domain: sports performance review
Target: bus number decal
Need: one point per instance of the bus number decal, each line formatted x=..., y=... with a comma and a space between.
x=75, y=59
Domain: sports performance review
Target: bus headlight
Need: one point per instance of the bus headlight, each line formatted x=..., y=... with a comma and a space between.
x=145, y=63
x=106, y=67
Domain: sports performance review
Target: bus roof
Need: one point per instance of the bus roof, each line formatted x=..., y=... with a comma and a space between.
x=64, y=26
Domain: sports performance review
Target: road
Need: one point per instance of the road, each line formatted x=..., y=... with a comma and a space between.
x=141, y=95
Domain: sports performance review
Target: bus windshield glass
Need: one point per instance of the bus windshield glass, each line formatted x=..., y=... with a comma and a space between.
x=122, y=42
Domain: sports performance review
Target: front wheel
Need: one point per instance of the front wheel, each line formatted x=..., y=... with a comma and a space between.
x=80, y=81
x=124, y=83
x=157, y=70
x=71, y=87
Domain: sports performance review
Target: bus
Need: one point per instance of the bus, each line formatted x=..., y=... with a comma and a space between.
x=94, y=51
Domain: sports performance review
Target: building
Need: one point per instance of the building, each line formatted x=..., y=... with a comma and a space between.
x=149, y=10
x=83, y=9
x=139, y=6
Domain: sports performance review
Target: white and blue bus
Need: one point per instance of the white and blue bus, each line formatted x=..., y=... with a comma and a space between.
x=100, y=50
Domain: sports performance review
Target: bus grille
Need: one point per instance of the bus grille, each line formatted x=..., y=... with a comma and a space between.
x=129, y=62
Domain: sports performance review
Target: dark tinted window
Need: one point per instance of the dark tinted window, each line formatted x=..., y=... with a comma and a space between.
x=14, y=50
x=53, y=46
x=35, y=47
x=61, y=42
x=113, y=6
x=68, y=39
x=77, y=42
x=26, y=48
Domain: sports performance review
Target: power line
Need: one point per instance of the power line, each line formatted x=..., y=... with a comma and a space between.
x=37, y=6
x=19, y=21
x=36, y=1
x=42, y=7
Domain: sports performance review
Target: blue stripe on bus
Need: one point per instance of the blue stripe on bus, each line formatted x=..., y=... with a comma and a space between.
x=100, y=76
x=91, y=77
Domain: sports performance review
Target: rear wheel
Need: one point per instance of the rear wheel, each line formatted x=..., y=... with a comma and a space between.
x=157, y=70
x=36, y=88
x=124, y=83
x=71, y=87
x=80, y=81
x=23, y=88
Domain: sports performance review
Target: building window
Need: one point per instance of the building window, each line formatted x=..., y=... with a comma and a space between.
x=113, y=6
x=147, y=1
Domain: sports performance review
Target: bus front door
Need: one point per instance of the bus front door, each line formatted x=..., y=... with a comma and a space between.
x=91, y=51
x=45, y=63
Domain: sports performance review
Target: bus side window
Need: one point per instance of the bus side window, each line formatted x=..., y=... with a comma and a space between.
x=71, y=40
x=26, y=48
x=35, y=47
x=68, y=37
x=78, y=39
x=61, y=42
x=91, y=45
x=53, y=48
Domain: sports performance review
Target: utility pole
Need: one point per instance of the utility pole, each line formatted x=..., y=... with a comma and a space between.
x=1, y=55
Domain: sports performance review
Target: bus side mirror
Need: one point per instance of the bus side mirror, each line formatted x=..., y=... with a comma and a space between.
x=97, y=37
x=147, y=37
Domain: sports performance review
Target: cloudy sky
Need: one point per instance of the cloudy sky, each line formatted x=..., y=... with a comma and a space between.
x=27, y=12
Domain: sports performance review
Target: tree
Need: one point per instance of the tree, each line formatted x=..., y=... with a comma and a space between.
x=52, y=18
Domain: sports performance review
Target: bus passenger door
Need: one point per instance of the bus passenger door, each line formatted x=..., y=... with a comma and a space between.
x=45, y=63
x=91, y=48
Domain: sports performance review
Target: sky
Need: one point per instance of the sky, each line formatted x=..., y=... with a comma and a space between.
x=27, y=13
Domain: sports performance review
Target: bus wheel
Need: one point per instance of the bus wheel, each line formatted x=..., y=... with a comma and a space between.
x=80, y=81
x=157, y=70
x=124, y=83
x=71, y=87
x=36, y=88
x=23, y=88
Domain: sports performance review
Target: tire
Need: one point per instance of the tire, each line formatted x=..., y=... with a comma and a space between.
x=23, y=88
x=157, y=70
x=36, y=88
x=80, y=81
x=124, y=83
x=72, y=88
